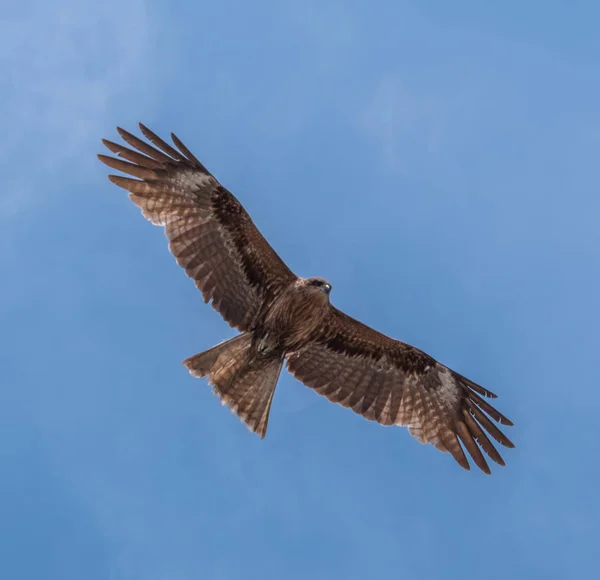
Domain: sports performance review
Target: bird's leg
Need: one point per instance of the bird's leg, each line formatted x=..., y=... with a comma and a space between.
x=263, y=346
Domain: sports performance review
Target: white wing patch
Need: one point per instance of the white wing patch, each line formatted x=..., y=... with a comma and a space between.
x=448, y=392
x=193, y=177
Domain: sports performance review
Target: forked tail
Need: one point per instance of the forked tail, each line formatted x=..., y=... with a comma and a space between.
x=244, y=380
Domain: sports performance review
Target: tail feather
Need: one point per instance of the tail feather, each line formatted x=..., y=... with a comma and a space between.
x=250, y=393
x=223, y=357
x=244, y=383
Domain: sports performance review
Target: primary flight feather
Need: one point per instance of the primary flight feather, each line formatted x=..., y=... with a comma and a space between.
x=286, y=319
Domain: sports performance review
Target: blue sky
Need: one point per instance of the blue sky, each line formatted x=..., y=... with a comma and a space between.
x=438, y=162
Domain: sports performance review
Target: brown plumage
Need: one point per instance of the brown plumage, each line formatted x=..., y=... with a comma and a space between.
x=284, y=318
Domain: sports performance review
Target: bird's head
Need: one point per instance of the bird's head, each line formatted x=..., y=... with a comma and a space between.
x=318, y=285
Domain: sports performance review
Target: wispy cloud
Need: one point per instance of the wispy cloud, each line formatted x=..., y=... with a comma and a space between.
x=61, y=71
x=68, y=67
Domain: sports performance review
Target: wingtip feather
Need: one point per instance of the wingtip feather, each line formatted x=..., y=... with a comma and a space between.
x=123, y=182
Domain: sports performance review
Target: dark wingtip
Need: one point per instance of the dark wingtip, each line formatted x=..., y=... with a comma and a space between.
x=123, y=182
x=112, y=146
x=461, y=458
x=483, y=464
x=113, y=179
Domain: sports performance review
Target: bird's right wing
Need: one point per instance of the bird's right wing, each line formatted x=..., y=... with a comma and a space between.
x=210, y=234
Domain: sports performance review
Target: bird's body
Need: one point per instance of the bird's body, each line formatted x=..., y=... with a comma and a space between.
x=287, y=319
x=288, y=323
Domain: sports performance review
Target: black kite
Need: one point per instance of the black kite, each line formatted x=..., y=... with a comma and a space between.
x=284, y=318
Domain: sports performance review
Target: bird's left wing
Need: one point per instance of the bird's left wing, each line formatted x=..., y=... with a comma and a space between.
x=393, y=383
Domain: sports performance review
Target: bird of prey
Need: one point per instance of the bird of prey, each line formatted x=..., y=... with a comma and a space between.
x=283, y=318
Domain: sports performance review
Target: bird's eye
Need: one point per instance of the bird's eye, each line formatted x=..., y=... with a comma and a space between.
x=316, y=283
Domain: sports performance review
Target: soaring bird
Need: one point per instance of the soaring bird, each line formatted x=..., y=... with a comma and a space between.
x=283, y=318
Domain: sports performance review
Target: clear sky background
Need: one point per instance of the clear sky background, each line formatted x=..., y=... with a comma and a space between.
x=437, y=161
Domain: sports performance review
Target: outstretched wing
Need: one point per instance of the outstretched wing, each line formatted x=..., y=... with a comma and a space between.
x=393, y=383
x=210, y=234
